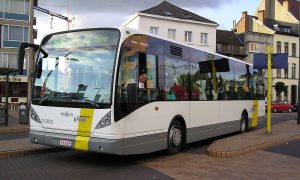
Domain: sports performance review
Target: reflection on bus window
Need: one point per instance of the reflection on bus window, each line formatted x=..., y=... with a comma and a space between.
x=175, y=79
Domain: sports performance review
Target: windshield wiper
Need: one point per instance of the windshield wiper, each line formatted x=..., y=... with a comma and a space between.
x=91, y=102
x=47, y=98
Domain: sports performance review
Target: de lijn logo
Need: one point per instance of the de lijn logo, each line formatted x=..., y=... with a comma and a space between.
x=66, y=114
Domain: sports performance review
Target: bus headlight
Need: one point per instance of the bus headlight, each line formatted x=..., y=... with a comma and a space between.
x=34, y=116
x=105, y=121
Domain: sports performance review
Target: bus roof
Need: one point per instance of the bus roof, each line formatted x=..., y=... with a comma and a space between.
x=134, y=31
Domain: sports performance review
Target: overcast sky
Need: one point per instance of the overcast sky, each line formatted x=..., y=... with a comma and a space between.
x=112, y=13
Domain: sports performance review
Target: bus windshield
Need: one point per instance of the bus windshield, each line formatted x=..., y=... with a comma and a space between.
x=76, y=68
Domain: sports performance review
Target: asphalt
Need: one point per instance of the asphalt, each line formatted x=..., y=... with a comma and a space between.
x=228, y=147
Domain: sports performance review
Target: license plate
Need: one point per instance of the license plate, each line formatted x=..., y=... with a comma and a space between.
x=65, y=143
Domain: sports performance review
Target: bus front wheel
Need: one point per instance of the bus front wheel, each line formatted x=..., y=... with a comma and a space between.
x=175, y=137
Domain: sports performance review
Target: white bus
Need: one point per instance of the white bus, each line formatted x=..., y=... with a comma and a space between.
x=86, y=93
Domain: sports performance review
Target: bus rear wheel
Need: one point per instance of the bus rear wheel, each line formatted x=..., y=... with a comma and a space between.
x=244, y=123
x=175, y=137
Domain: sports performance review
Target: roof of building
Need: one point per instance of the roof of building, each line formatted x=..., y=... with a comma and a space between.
x=275, y=25
x=167, y=9
x=229, y=37
x=293, y=7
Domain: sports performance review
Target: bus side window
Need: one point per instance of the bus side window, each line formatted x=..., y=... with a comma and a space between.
x=176, y=84
x=147, y=78
x=127, y=75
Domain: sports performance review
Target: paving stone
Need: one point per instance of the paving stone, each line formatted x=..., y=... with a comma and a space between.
x=255, y=140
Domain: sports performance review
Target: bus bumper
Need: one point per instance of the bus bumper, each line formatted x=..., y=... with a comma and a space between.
x=107, y=146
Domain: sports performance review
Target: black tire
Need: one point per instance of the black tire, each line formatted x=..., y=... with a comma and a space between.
x=290, y=110
x=244, y=123
x=275, y=110
x=175, y=137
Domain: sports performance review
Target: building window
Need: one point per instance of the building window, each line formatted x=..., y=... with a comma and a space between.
x=8, y=60
x=188, y=36
x=286, y=73
x=172, y=34
x=251, y=47
x=204, y=38
x=285, y=29
x=278, y=73
x=16, y=33
x=278, y=47
x=254, y=47
x=15, y=6
x=2, y=6
x=294, y=49
x=13, y=35
x=293, y=71
x=286, y=48
x=154, y=30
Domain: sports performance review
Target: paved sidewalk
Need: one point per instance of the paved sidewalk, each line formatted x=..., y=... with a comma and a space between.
x=255, y=140
x=13, y=124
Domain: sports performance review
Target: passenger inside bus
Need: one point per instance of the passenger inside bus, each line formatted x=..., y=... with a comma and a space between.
x=142, y=80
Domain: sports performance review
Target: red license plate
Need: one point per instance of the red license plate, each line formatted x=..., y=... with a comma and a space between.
x=65, y=143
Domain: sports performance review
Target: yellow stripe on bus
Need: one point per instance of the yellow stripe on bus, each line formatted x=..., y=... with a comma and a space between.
x=254, y=113
x=84, y=129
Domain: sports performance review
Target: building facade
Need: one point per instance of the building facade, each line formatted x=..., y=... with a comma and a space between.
x=231, y=44
x=16, y=26
x=177, y=24
x=275, y=20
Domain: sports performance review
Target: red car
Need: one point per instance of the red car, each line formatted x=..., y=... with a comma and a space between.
x=280, y=106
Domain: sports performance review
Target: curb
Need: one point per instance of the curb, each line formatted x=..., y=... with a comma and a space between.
x=235, y=153
x=23, y=152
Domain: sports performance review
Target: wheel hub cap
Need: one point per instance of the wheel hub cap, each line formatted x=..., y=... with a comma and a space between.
x=175, y=136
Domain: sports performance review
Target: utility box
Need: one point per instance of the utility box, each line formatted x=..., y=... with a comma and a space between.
x=2, y=115
x=23, y=114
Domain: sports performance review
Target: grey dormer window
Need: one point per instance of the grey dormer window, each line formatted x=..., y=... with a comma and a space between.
x=276, y=27
x=168, y=13
x=187, y=16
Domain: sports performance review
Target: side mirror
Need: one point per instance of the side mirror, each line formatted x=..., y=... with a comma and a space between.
x=132, y=95
x=39, y=69
x=21, y=54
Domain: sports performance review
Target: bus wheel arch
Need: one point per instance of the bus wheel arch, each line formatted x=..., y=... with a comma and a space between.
x=244, y=121
x=176, y=137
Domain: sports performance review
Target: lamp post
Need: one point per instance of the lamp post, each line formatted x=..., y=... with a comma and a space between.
x=298, y=107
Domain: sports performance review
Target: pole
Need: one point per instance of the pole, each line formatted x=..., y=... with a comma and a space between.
x=6, y=98
x=269, y=50
x=298, y=107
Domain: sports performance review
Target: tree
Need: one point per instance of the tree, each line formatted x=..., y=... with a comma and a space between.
x=279, y=88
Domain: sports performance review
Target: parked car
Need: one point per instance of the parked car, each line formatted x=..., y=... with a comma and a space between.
x=281, y=106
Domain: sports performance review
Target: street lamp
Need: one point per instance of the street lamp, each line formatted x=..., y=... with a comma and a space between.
x=298, y=107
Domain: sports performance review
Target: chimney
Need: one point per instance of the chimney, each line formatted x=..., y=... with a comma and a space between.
x=261, y=16
x=243, y=25
x=245, y=21
x=244, y=14
x=285, y=5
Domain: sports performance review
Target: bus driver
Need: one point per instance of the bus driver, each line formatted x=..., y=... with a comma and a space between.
x=142, y=80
